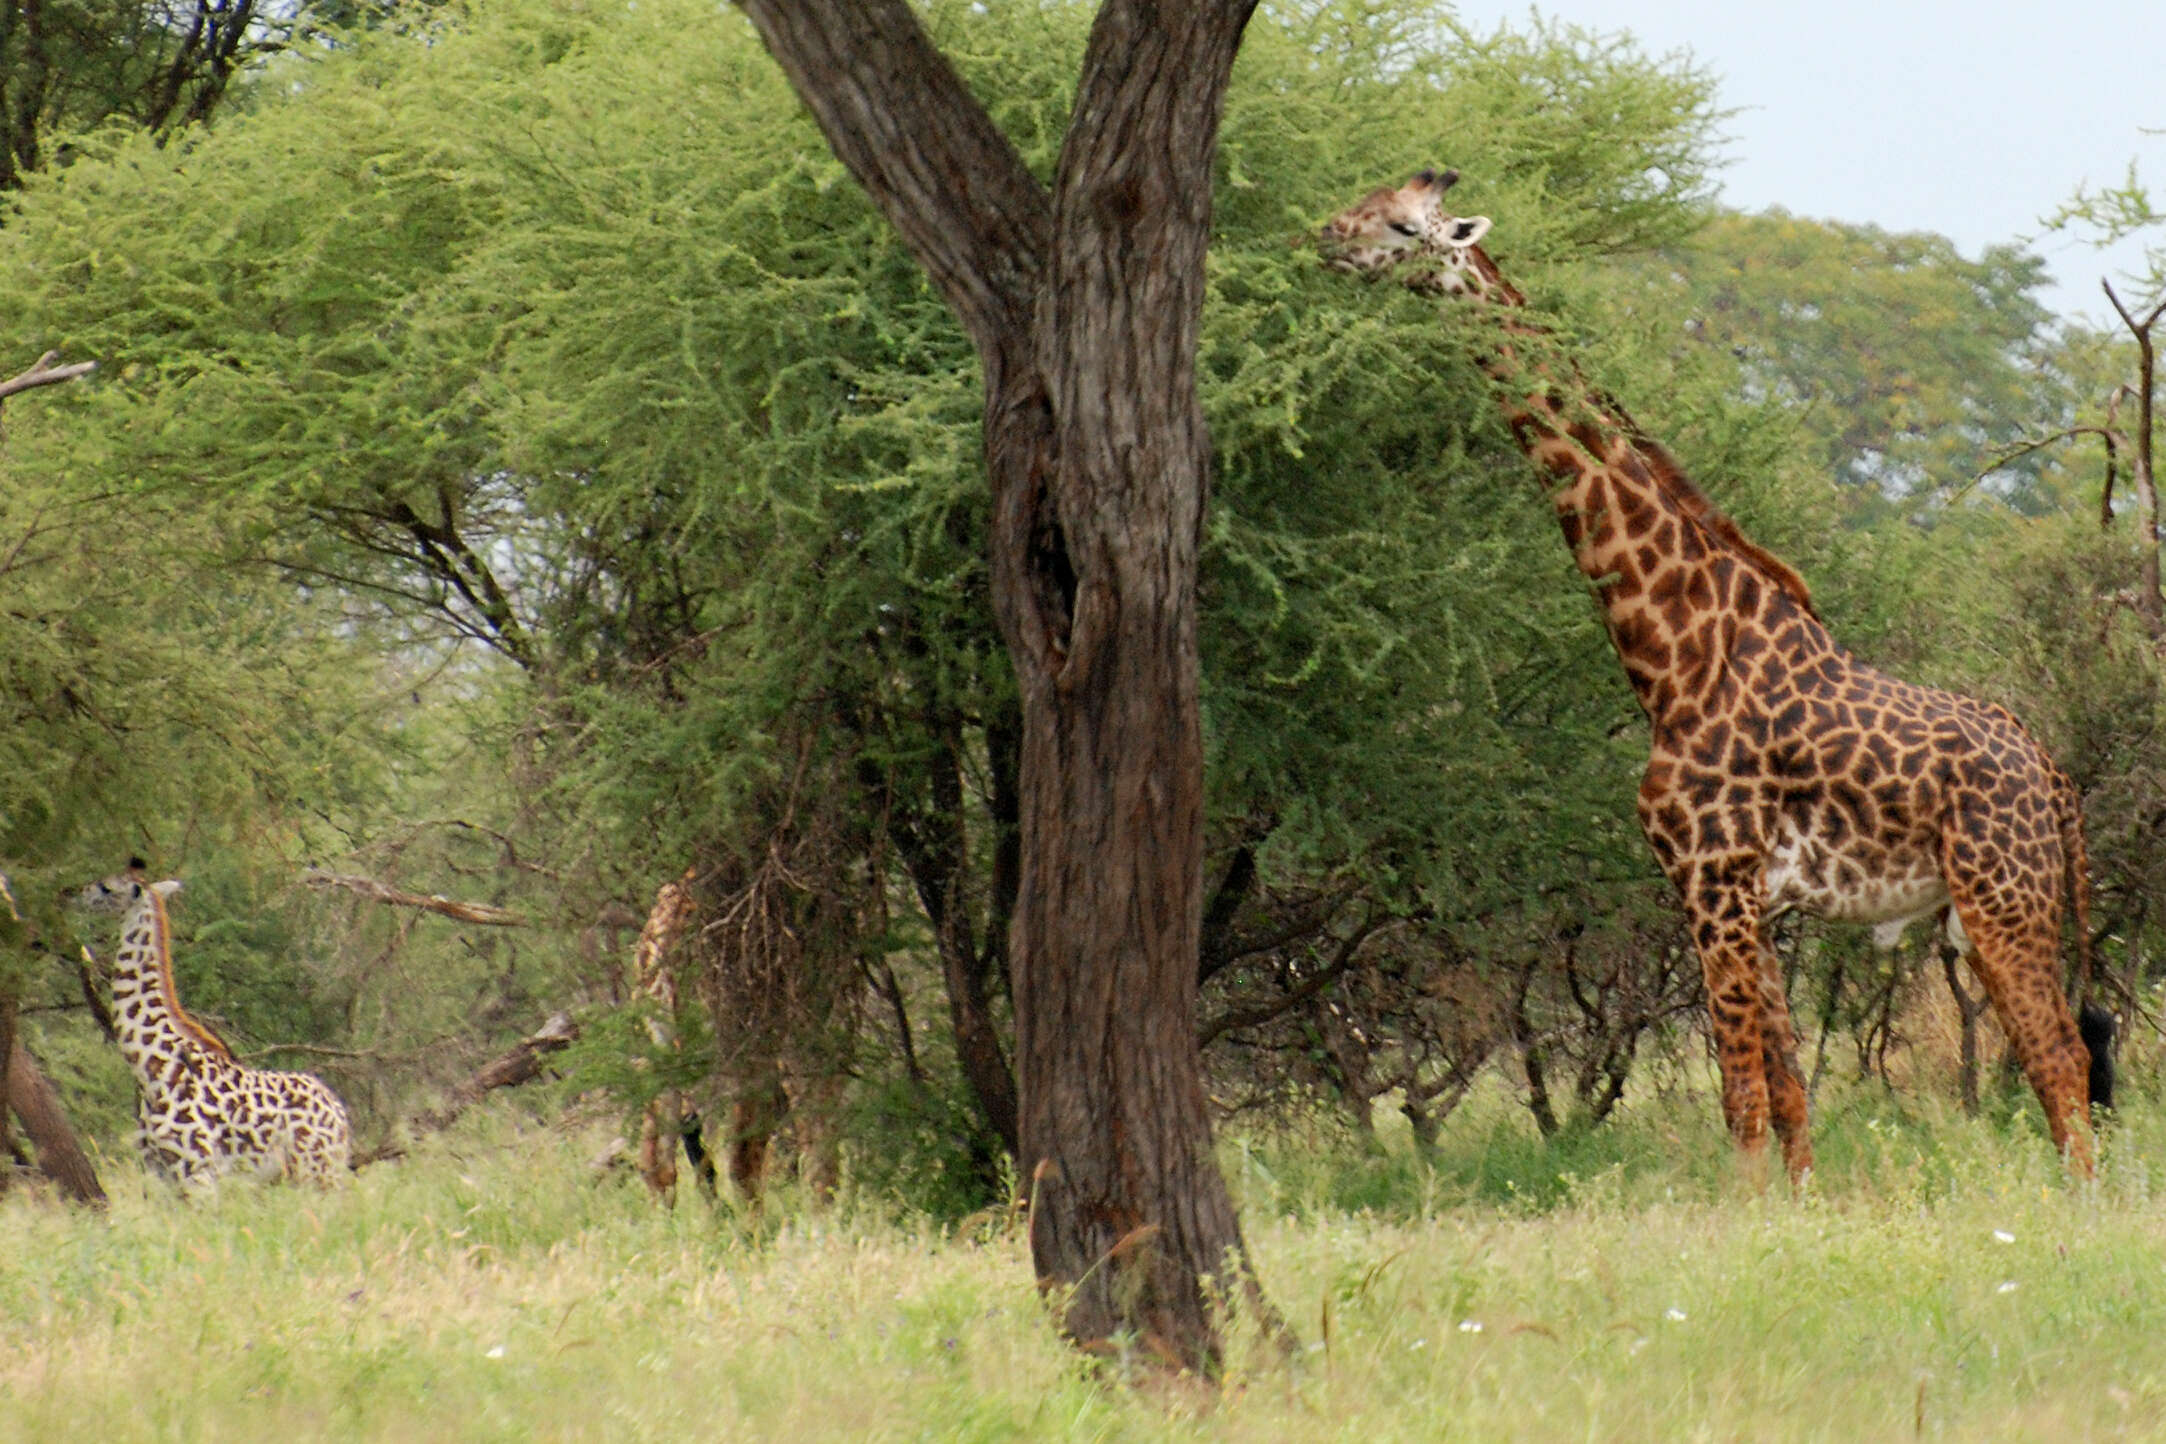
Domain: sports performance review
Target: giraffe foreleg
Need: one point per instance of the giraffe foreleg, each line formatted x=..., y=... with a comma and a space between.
x=1733, y=1015
x=1785, y=1079
x=1747, y=1014
x=658, y=1133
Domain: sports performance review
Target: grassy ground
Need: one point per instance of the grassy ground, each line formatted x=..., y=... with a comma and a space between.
x=1939, y=1279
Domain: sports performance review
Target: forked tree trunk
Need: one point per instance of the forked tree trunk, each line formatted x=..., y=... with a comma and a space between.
x=1085, y=307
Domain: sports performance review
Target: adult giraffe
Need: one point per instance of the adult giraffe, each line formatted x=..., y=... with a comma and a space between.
x=1785, y=773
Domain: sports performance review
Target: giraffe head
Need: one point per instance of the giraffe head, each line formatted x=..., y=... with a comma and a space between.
x=1388, y=225
x=121, y=891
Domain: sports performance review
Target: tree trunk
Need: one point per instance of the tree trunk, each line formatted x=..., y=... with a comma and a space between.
x=1967, y=1009
x=7, y=1080
x=45, y=1123
x=935, y=851
x=1085, y=308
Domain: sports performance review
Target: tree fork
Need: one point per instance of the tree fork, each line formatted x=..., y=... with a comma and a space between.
x=1084, y=307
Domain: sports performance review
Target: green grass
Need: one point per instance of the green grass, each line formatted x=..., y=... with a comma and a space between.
x=1939, y=1276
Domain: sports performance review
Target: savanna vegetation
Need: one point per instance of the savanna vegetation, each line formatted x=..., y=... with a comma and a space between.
x=525, y=466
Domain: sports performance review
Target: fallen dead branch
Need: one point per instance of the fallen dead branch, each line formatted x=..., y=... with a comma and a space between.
x=43, y=372
x=522, y=1063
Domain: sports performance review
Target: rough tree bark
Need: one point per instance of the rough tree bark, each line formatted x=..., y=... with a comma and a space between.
x=1084, y=306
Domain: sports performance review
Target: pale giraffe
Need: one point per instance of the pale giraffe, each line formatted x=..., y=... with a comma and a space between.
x=1785, y=773
x=203, y=1113
x=654, y=977
x=768, y=1085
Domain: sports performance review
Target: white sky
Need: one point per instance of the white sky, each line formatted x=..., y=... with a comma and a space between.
x=1974, y=120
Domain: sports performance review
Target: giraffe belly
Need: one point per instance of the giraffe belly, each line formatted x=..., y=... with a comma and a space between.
x=1889, y=888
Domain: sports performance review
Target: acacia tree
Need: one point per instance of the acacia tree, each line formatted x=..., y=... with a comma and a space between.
x=1084, y=305
x=656, y=409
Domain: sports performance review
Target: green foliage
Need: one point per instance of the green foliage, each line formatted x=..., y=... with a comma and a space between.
x=921, y=1151
x=2104, y=214
x=148, y=713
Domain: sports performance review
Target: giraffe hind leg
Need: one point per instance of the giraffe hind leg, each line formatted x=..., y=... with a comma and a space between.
x=2014, y=951
x=658, y=1129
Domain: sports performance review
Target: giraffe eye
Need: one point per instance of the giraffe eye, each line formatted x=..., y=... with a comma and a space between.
x=1403, y=228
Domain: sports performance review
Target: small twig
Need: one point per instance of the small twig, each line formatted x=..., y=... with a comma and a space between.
x=355, y=1055
x=1349, y=949
x=89, y=971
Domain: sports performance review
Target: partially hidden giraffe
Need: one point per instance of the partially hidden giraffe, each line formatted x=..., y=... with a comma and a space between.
x=203, y=1114
x=1784, y=772
x=668, y=1119
x=769, y=1086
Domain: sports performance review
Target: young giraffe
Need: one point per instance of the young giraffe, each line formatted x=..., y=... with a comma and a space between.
x=203, y=1113
x=1785, y=773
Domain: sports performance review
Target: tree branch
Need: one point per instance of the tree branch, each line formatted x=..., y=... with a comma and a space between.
x=468, y=912
x=43, y=373
x=1349, y=949
x=903, y=122
x=2150, y=601
x=521, y=1064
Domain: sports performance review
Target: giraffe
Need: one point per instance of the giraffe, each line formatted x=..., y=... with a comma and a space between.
x=1784, y=773
x=654, y=977
x=204, y=1114
x=771, y=1080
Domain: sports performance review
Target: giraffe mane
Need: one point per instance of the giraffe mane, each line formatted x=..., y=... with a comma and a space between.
x=187, y=1022
x=1505, y=293
x=1698, y=508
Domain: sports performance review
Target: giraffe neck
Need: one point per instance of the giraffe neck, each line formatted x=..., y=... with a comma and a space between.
x=153, y=1026
x=1674, y=576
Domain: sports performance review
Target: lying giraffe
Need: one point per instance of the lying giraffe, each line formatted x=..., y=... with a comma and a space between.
x=203, y=1113
x=1785, y=773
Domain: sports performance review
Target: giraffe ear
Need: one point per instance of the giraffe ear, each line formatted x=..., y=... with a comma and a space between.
x=1466, y=230
x=167, y=888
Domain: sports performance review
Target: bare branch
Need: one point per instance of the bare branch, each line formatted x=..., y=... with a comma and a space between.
x=469, y=912
x=522, y=1064
x=2040, y=443
x=89, y=972
x=2140, y=328
x=2150, y=599
x=43, y=373
x=1349, y=949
